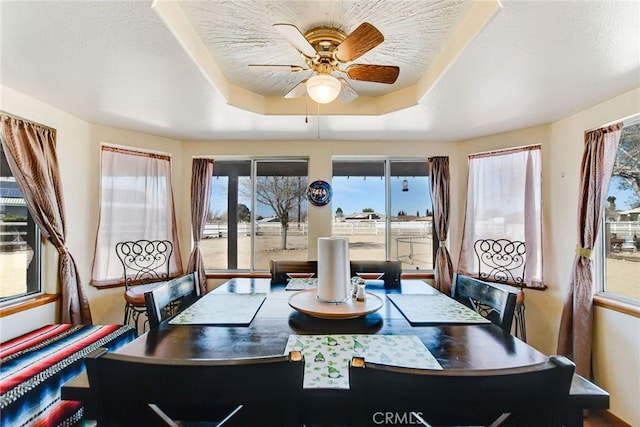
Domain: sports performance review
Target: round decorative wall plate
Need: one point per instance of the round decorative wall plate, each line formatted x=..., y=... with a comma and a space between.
x=319, y=193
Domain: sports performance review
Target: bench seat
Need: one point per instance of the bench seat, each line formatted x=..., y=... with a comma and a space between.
x=34, y=366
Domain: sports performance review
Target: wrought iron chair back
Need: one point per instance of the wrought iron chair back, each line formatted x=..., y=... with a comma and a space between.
x=504, y=261
x=144, y=261
x=501, y=260
x=146, y=265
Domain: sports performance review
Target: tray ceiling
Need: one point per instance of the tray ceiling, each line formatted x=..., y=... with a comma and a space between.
x=224, y=37
x=241, y=33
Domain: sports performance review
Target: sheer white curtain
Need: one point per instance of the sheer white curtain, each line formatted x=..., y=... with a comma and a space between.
x=504, y=202
x=136, y=202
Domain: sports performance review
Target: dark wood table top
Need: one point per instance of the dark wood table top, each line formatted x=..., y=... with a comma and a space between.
x=480, y=346
x=477, y=346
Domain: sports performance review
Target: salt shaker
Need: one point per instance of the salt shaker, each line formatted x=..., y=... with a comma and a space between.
x=355, y=283
x=361, y=294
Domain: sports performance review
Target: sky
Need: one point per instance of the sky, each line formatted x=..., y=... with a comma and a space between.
x=353, y=195
x=624, y=199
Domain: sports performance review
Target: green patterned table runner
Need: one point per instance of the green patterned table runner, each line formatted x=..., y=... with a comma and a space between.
x=221, y=309
x=327, y=357
x=421, y=309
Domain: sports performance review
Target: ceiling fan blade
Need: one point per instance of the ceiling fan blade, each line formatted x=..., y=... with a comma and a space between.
x=373, y=73
x=268, y=67
x=296, y=38
x=347, y=93
x=298, y=90
x=360, y=41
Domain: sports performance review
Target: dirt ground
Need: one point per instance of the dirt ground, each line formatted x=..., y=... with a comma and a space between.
x=361, y=247
x=622, y=273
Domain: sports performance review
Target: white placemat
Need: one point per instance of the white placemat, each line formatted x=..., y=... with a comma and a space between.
x=221, y=309
x=327, y=357
x=301, y=284
x=423, y=309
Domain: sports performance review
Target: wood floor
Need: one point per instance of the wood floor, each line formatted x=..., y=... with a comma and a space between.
x=603, y=419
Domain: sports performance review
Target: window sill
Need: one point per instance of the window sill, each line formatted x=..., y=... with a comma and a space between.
x=28, y=304
x=601, y=300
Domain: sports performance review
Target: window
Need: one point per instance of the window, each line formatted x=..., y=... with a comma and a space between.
x=384, y=208
x=19, y=241
x=621, y=231
x=504, y=202
x=258, y=212
x=136, y=202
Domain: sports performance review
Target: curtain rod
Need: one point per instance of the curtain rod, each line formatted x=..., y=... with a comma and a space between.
x=13, y=116
x=627, y=121
x=505, y=151
x=134, y=150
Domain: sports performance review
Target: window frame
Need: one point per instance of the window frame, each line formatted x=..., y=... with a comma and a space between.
x=253, y=173
x=107, y=269
x=34, y=269
x=618, y=302
x=532, y=275
x=387, y=166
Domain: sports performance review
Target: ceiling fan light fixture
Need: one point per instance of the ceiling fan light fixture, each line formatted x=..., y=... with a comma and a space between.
x=323, y=88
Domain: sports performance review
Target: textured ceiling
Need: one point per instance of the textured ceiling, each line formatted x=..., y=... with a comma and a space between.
x=119, y=63
x=241, y=33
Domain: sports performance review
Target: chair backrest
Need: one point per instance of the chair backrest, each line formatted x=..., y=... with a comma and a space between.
x=144, y=261
x=537, y=394
x=194, y=390
x=280, y=268
x=501, y=260
x=391, y=269
x=171, y=297
x=494, y=303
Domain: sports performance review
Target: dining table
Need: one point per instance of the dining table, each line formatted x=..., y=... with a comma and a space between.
x=273, y=325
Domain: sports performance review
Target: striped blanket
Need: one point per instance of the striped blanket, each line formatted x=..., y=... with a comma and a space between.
x=35, y=365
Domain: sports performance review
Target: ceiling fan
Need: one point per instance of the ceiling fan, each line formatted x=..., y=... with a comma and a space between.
x=327, y=50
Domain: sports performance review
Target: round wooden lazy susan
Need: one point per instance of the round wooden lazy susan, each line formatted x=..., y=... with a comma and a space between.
x=308, y=303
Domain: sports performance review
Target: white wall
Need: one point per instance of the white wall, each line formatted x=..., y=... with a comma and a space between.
x=617, y=336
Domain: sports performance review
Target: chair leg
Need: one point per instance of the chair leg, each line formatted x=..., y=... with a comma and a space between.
x=145, y=323
x=134, y=315
x=521, y=327
x=127, y=312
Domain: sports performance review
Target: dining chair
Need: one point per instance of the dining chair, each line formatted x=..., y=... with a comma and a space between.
x=141, y=390
x=535, y=395
x=490, y=301
x=391, y=270
x=171, y=298
x=145, y=265
x=504, y=261
x=281, y=268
